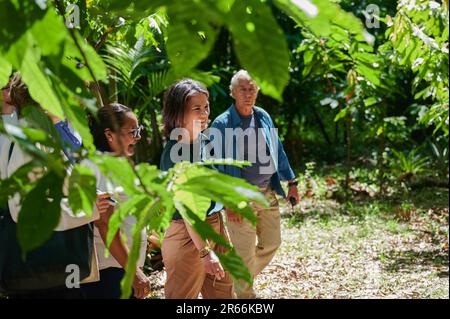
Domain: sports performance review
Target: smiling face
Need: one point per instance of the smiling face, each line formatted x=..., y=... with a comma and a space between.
x=123, y=142
x=196, y=115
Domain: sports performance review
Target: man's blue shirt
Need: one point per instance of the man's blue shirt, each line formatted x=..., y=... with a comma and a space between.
x=230, y=119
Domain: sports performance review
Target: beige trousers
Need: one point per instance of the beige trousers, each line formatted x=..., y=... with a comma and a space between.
x=256, y=246
x=186, y=276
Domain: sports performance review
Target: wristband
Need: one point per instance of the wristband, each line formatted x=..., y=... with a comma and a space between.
x=204, y=251
x=294, y=183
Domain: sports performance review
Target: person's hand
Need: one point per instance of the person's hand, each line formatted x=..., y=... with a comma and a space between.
x=103, y=203
x=213, y=266
x=153, y=241
x=141, y=285
x=232, y=216
x=293, y=193
x=7, y=104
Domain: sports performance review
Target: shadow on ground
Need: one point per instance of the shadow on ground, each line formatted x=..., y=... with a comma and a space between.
x=409, y=261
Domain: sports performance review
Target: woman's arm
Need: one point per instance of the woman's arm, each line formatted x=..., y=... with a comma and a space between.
x=117, y=249
x=210, y=261
x=141, y=284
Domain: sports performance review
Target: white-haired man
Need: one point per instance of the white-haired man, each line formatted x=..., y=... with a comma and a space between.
x=254, y=138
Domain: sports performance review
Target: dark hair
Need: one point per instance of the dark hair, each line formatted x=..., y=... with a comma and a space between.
x=175, y=100
x=111, y=116
x=20, y=95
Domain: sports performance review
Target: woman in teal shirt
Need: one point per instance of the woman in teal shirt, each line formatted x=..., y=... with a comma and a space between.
x=191, y=263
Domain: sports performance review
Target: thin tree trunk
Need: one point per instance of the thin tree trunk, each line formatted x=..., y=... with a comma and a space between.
x=381, y=164
x=321, y=126
x=113, y=96
x=348, y=138
x=336, y=133
x=156, y=138
x=348, y=128
x=98, y=91
x=380, y=156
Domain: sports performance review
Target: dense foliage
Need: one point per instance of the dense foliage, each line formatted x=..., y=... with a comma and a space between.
x=336, y=90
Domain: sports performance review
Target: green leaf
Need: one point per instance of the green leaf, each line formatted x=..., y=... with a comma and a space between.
x=341, y=114
x=365, y=57
x=190, y=35
x=160, y=221
x=75, y=114
x=77, y=118
x=203, y=229
x=133, y=256
x=150, y=176
x=40, y=212
x=18, y=135
x=230, y=191
x=308, y=56
x=129, y=207
x=369, y=73
x=82, y=189
x=117, y=5
x=118, y=169
x=94, y=60
x=307, y=69
x=225, y=5
x=196, y=203
x=319, y=16
x=16, y=18
x=49, y=32
x=380, y=130
x=157, y=181
x=19, y=182
x=230, y=260
x=38, y=84
x=37, y=135
x=36, y=118
x=371, y=101
x=262, y=48
x=5, y=72
x=142, y=221
x=234, y=264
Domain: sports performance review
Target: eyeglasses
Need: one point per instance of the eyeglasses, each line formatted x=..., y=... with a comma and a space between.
x=136, y=131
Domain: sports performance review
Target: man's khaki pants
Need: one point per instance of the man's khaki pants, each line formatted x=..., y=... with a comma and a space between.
x=256, y=246
x=186, y=276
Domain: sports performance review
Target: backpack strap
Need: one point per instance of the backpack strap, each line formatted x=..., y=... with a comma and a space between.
x=11, y=148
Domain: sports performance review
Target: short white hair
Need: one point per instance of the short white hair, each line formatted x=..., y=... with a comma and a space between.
x=241, y=75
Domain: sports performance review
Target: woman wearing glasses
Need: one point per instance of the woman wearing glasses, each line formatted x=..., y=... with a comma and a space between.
x=116, y=131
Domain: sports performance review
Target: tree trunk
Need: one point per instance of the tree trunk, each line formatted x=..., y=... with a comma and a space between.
x=348, y=129
x=157, y=143
x=381, y=148
x=381, y=164
x=113, y=96
x=321, y=126
x=348, y=138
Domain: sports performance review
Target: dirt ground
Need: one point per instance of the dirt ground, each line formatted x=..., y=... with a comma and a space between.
x=330, y=253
